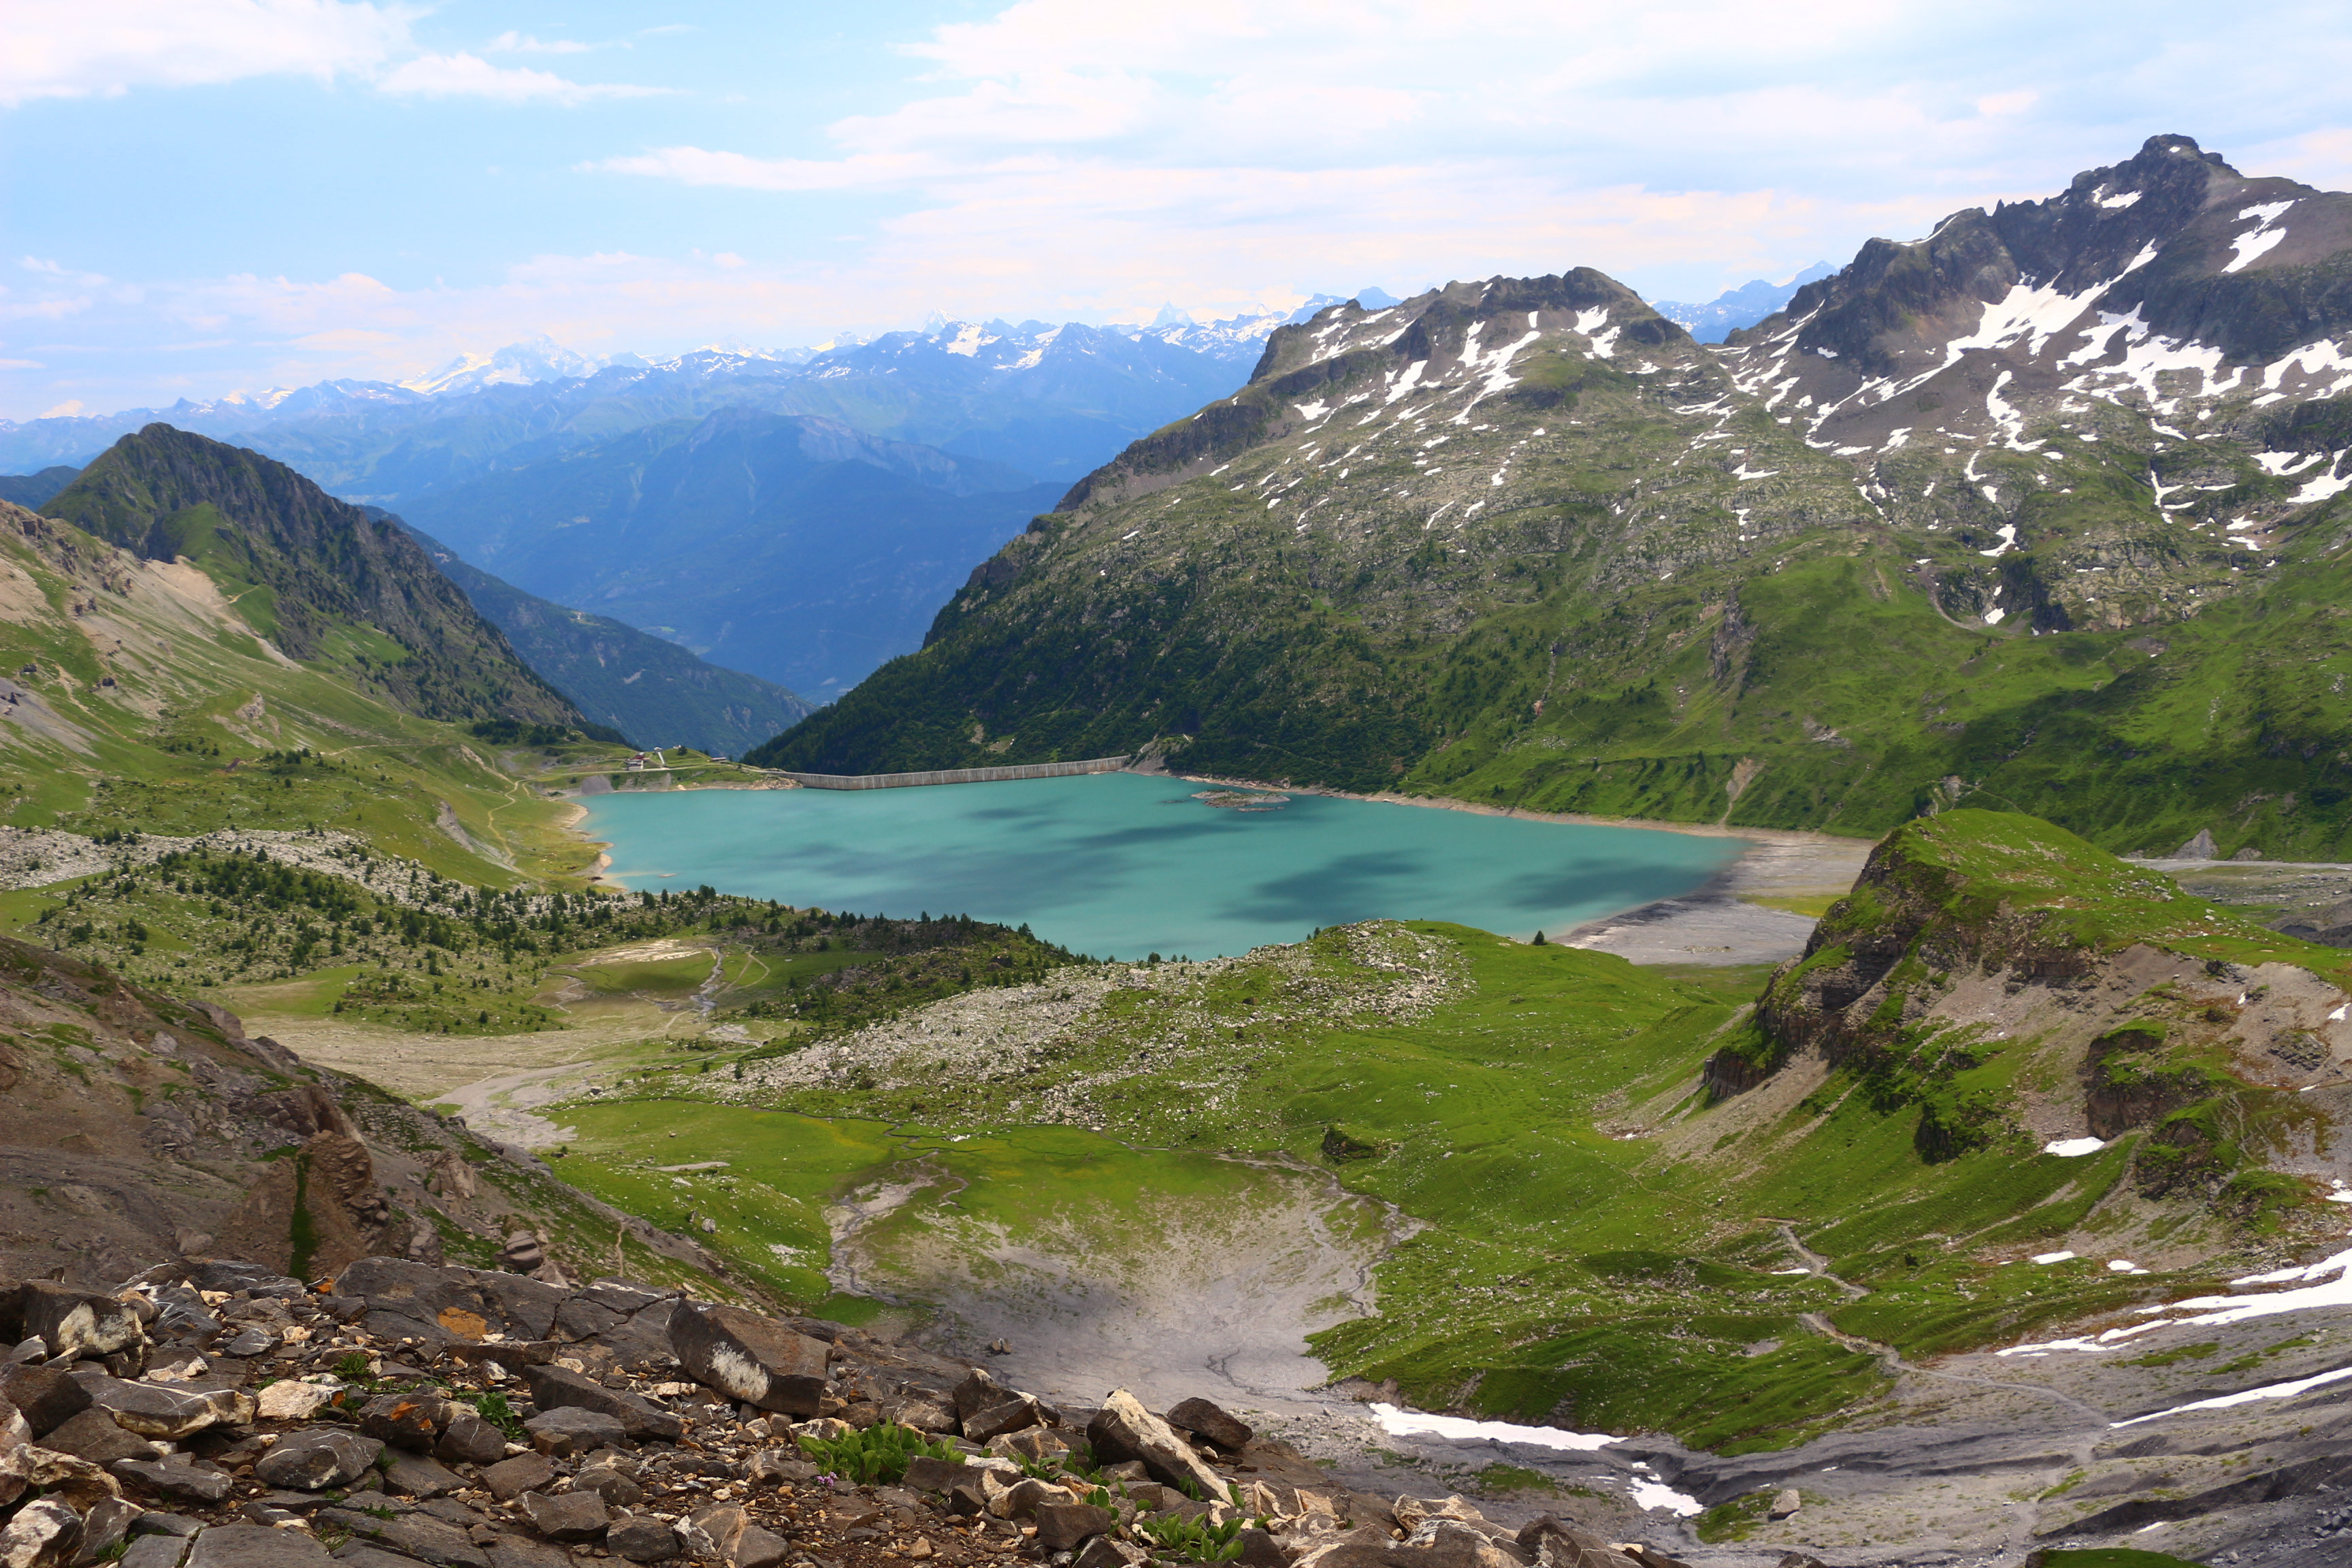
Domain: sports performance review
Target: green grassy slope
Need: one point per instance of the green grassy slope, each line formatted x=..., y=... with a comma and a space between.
x=320, y=578
x=1605, y=1242
x=148, y=703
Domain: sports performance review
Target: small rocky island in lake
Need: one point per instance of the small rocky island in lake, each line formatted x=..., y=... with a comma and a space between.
x=1242, y=799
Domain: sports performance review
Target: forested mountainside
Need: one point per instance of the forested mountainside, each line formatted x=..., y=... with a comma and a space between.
x=2042, y=510
x=317, y=578
x=642, y=686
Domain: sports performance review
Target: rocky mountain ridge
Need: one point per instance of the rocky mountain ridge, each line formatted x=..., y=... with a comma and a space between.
x=1524, y=542
x=306, y=570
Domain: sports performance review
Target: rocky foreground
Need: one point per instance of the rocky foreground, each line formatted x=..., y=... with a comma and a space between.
x=213, y=1414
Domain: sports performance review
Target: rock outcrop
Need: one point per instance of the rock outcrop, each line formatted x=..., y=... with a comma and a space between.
x=137, y=1126
x=462, y=1418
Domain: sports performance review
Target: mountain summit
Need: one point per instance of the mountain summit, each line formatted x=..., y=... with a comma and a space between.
x=318, y=579
x=2036, y=510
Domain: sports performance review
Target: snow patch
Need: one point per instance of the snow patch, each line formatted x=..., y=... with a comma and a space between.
x=1658, y=1494
x=1411, y=379
x=2251, y=248
x=2269, y=1391
x=2049, y=1258
x=2319, y=488
x=2074, y=1148
x=2117, y=203
x=1401, y=1422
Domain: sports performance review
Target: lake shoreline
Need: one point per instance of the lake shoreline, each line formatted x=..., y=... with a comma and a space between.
x=1723, y=922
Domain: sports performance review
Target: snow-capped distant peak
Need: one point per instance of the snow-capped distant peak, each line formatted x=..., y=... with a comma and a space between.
x=533, y=359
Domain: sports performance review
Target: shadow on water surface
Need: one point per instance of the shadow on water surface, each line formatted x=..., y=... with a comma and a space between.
x=1092, y=863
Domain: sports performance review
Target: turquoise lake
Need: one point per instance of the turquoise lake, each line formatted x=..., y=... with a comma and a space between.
x=1123, y=865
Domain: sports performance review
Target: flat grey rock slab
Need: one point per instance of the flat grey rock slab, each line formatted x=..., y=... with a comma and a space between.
x=256, y=1546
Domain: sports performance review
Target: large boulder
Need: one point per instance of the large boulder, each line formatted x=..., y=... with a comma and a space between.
x=1556, y=1543
x=75, y=1479
x=559, y=1388
x=411, y=1421
x=93, y=1435
x=46, y=1533
x=314, y=1460
x=749, y=1358
x=443, y=1306
x=642, y=1539
x=78, y=1324
x=725, y=1534
x=1063, y=1526
x=1124, y=1429
x=165, y=1413
x=1203, y=1419
x=570, y=1516
x=468, y=1439
x=565, y=1433
x=509, y=1478
x=195, y=1483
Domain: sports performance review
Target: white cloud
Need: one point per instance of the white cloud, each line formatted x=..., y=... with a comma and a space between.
x=70, y=48
x=697, y=167
x=470, y=76
x=1218, y=127
x=514, y=43
x=58, y=49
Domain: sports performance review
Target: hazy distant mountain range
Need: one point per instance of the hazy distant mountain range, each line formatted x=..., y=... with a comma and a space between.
x=1736, y=307
x=1052, y=400
x=788, y=545
x=800, y=514
x=647, y=688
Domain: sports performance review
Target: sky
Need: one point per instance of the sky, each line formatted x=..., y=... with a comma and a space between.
x=205, y=196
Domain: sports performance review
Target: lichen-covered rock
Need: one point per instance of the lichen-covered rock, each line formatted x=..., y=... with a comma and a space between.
x=411, y=1421
x=749, y=1358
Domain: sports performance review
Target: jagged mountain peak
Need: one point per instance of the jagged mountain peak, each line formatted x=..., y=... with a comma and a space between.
x=1440, y=354
x=2162, y=283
